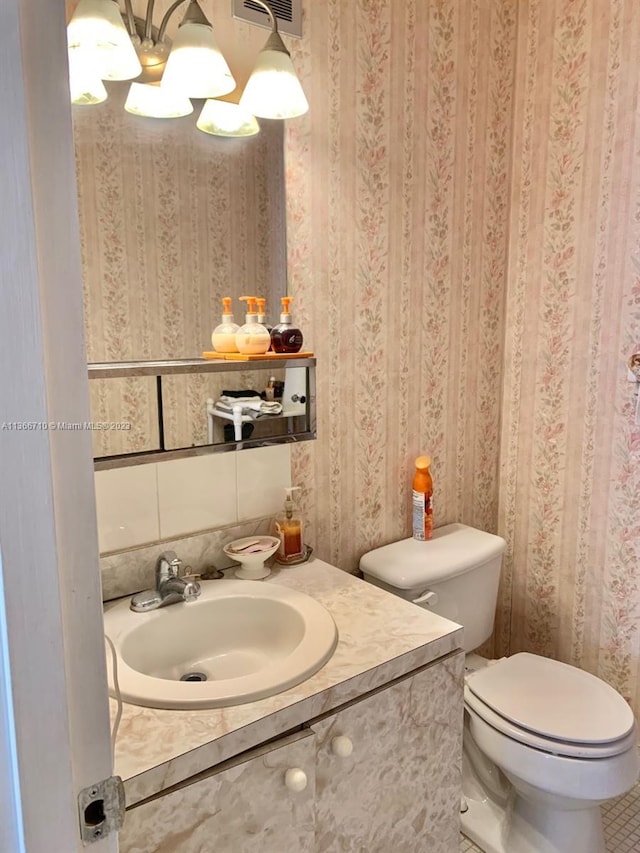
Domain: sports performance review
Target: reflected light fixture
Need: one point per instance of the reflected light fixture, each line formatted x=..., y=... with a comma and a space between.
x=105, y=44
x=223, y=118
x=153, y=101
x=84, y=81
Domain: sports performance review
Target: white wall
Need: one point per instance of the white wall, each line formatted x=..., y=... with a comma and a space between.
x=47, y=508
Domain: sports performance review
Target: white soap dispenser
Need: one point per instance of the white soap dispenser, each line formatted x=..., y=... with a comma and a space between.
x=223, y=337
x=252, y=338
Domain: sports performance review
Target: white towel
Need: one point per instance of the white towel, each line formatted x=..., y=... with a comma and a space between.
x=252, y=407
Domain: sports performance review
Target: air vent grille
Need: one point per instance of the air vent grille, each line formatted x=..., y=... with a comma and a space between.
x=288, y=13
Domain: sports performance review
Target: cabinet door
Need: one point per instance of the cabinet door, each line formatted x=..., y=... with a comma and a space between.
x=399, y=789
x=243, y=807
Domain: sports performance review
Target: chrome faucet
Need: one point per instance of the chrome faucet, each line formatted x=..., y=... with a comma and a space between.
x=170, y=587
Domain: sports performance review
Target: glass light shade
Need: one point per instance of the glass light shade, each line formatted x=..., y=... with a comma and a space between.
x=85, y=84
x=152, y=100
x=97, y=26
x=273, y=90
x=196, y=67
x=221, y=118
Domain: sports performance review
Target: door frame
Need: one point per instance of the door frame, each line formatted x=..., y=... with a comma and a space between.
x=54, y=722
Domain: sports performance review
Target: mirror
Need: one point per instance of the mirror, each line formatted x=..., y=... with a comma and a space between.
x=171, y=220
x=206, y=405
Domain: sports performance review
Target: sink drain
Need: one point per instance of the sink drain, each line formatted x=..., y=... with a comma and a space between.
x=193, y=676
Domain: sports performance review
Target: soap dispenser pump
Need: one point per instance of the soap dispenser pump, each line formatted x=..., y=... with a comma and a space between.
x=223, y=336
x=284, y=337
x=289, y=529
x=252, y=338
x=262, y=313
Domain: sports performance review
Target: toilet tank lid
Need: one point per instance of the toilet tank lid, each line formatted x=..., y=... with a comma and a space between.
x=453, y=550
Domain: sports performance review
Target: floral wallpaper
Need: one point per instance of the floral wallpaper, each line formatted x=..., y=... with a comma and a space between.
x=570, y=462
x=397, y=196
x=463, y=224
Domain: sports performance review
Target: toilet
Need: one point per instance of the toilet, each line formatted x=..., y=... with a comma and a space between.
x=544, y=743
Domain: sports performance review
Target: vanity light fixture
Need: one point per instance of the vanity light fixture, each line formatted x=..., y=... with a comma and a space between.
x=196, y=67
x=223, y=118
x=273, y=90
x=153, y=101
x=84, y=81
x=97, y=28
x=105, y=44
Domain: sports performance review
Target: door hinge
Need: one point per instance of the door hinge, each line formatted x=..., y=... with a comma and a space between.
x=101, y=809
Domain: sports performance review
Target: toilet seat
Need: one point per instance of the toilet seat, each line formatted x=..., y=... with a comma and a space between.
x=563, y=748
x=551, y=706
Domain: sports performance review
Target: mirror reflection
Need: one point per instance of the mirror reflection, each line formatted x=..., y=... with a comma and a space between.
x=171, y=220
x=205, y=404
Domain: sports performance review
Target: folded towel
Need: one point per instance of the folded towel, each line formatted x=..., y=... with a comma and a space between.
x=240, y=395
x=251, y=407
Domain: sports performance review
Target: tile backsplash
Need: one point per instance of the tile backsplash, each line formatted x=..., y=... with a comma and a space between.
x=198, y=493
x=142, y=508
x=130, y=571
x=127, y=507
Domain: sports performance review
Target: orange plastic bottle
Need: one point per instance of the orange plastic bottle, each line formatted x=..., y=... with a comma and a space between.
x=422, y=501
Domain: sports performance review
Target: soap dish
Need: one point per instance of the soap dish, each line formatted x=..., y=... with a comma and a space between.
x=252, y=552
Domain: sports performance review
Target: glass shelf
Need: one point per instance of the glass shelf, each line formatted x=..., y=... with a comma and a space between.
x=151, y=411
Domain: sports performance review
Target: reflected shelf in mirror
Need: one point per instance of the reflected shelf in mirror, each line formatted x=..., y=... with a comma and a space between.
x=296, y=422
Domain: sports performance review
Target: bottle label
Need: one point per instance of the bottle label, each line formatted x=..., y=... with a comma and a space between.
x=422, y=515
x=292, y=338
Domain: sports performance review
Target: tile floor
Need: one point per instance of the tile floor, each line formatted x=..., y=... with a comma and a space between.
x=621, y=820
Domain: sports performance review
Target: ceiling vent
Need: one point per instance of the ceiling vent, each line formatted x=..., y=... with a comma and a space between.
x=288, y=13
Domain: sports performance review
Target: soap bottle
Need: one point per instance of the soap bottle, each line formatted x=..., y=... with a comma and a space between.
x=270, y=390
x=284, y=337
x=289, y=529
x=223, y=336
x=252, y=338
x=262, y=314
x=422, y=500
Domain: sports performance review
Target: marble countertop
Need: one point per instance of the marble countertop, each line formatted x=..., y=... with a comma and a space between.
x=381, y=637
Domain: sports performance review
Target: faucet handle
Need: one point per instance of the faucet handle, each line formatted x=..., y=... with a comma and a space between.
x=168, y=566
x=191, y=590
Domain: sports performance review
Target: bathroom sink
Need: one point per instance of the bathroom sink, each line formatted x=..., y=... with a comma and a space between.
x=239, y=641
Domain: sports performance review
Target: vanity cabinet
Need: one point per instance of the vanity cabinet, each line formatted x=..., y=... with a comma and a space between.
x=399, y=789
x=382, y=774
x=241, y=806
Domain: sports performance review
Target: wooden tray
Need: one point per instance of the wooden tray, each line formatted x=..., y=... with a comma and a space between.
x=240, y=356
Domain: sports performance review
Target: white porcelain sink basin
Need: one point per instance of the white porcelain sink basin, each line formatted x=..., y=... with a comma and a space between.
x=248, y=639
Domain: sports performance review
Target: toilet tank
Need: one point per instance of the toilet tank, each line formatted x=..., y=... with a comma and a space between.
x=459, y=565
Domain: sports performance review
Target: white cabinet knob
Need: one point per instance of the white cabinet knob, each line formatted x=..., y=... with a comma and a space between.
x=295, y=779
x=341, y=746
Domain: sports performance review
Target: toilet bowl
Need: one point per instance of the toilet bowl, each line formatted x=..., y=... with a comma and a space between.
x=565, y=741
x=544, y=743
